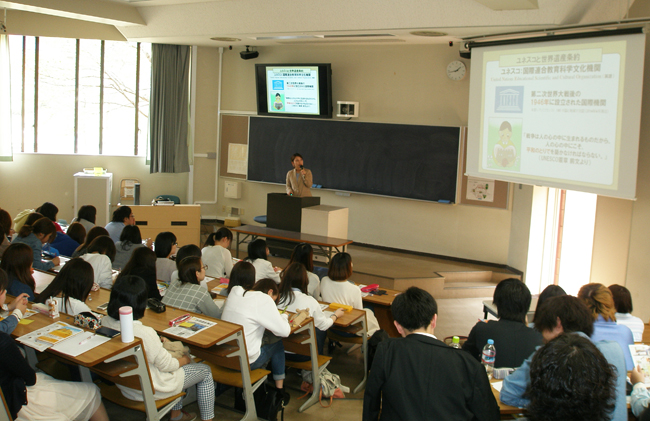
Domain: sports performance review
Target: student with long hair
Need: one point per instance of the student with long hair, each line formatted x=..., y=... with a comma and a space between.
x=143, y=264
x=37, y=396
x=90, y=236
x=76, y=232
x=100, y=255
x=130, y=239
x=17, y=263
x=600, y=302
x=304, y=253
x=169, y=375
x=294, y=295
x=72, y=284
x=216, y=254
x=50, y=211
x=86, y=216
x=16, y=308
x=35, y=235
x=165, y=247
x=243, y=275
x=187, y=293
x=186, y=251
x=256, y=311
x=5, y=230
x=122, y=217
x=258, y=254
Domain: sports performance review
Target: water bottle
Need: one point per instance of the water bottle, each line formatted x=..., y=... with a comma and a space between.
x=489, y=355
x=455, y=342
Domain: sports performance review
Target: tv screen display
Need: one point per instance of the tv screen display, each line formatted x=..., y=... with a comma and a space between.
x=294, y=90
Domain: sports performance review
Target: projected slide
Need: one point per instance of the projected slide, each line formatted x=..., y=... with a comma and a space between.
x=553, y=111
x=292, y=90
x=560, y=114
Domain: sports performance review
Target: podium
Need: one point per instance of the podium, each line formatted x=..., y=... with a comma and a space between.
x=285, y=212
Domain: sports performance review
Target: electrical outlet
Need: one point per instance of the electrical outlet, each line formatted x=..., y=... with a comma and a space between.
x=241, y=211
x=229, y=209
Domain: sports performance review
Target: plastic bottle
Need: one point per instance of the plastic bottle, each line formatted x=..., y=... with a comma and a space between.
x=489, y=355
x=455, y=342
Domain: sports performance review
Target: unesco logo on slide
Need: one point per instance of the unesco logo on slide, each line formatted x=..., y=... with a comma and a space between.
x=278, y=85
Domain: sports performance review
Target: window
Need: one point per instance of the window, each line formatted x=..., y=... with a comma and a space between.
x=80, y=96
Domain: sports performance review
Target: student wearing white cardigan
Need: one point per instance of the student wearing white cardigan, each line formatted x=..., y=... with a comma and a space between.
x=304, y=253
x=70, y=287
x=293, y=296
x=169, y=375
x=258, y=255
x=255, y=311
x=216, y=254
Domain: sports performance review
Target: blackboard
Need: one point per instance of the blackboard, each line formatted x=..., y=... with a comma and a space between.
x=416, y=162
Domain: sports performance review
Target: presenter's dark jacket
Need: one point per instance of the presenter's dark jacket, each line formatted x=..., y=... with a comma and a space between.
x=421, y=378
x=513, y=341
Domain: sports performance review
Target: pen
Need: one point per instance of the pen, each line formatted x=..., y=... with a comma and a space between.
x=87, y=339
x=283, y=311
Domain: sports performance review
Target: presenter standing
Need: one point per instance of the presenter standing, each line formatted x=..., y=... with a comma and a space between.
x=299, y=179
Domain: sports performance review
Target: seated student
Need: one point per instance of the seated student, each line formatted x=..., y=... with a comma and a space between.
x=64, y=244
x=600, y=302
x=186, y=293
x=17, y=263
x=216, y=254
x=16, y=309
x=243, y=275
x=557, y=395
x=294, y=296
x=640, y=398
x=122, y=217
x=130, y=239
x=165, y=247
x=169, y=375
x=335, y=288
x=623, y=304
x=258, y=255
x=304, y=253
x=50, y=211
x=72, y=284
x=5, y=230
x=183, y=252
x=513, y=340
x=143, y=264
x=255, y=311
x=549, y=291
x=37, y=396
x=76, y=232
x=35, y=235
x=566, y=314
x=101, y=253
x=86, y=216
x=90, y=236
x=419, y=377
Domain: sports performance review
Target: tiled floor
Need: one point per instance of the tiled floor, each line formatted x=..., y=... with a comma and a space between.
x=455, y=317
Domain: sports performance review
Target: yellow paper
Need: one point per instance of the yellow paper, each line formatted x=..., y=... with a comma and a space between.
x=186, y=324
x=25, y=321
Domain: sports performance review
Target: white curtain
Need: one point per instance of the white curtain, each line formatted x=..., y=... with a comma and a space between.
x=5, y=101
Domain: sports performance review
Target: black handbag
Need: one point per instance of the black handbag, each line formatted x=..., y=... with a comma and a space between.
x=268, y=402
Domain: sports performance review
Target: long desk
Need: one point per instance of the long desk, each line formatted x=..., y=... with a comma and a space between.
x=381, y=307
x=325, y=244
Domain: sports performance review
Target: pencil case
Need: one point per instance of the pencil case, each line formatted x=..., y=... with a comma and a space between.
x=334, y=306
x=370, y=288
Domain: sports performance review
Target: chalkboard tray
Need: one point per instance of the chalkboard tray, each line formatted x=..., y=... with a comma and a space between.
x=409, y=161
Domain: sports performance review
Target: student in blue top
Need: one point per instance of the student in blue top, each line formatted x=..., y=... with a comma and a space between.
x=16, y=308
x=122, y=216
x=566, y=314
x=600, y=302
x=17, y=263
x=35, y=235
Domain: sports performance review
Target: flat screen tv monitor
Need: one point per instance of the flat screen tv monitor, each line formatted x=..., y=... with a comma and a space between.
x=294, y=90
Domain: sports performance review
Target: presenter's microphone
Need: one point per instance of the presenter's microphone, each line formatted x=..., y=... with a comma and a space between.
x=302, y=167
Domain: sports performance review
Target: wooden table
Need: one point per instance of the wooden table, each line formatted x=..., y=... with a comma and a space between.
x=324, y=244
x=381, y=307
x=503, y=408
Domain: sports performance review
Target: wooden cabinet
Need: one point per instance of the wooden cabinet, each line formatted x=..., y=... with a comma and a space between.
x=183, y=220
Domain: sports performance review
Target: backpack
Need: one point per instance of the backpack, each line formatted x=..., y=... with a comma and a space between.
x=330, y=386
x=268, y=402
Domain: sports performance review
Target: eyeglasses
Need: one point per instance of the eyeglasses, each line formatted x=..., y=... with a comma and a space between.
x=176, y=244
x=205, y=267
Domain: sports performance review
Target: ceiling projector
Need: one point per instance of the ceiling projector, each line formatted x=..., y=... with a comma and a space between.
x=247, y=55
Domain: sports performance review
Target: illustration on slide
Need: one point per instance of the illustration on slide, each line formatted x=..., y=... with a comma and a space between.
x=278, y=104
x=509, y=99
x=504, y=141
